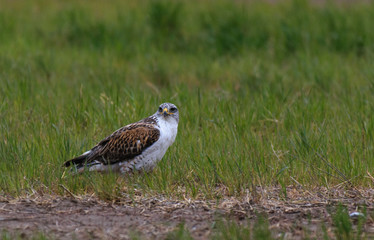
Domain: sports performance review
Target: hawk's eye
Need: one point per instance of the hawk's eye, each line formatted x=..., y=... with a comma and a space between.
x=160, y=109
x=173, y=109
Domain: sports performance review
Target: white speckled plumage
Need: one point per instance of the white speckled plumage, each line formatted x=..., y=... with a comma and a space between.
x=134, y=147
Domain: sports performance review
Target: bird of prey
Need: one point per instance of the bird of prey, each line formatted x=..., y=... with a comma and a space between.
x=134, y=147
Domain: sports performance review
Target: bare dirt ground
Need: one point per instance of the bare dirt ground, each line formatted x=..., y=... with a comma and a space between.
x=298, y=215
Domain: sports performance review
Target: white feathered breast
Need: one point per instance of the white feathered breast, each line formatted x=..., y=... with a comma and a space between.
x=153, y=154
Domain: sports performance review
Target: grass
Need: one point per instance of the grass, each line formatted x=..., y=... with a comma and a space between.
x=269, y=94
x=4, y=235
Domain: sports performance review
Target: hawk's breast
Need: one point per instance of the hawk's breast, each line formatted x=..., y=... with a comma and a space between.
x=153, y=154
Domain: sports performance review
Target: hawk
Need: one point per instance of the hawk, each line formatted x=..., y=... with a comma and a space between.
x=135, y=147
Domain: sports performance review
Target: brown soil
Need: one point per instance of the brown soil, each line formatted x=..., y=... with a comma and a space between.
x=300, y=214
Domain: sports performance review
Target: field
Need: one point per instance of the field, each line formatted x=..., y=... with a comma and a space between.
x=276, y=132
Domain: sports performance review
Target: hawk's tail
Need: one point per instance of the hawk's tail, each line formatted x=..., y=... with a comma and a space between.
x=78, y=162
x=82, y=162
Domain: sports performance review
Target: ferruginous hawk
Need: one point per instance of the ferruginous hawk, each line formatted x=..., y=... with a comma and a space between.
x=137, y=146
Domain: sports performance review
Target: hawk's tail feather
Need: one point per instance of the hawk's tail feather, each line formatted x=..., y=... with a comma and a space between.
x=82, y=162
x=78, y=162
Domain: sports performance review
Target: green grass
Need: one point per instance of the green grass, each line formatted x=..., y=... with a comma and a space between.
x=266, y=92
x=4, y=235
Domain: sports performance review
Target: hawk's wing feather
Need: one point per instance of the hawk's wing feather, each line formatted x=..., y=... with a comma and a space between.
x=124, y=144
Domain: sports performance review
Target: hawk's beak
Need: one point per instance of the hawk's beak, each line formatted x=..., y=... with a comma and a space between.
x=165, y=112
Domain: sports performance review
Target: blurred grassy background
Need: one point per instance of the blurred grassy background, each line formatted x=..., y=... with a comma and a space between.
x=269, y=94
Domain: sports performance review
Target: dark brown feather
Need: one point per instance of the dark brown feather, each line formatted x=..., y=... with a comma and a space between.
x=124, y=144
x=78, y=161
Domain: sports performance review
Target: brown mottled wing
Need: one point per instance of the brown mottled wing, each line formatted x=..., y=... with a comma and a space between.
x=124, y=144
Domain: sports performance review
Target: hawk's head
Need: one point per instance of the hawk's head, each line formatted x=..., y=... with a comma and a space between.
x=168, y=110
